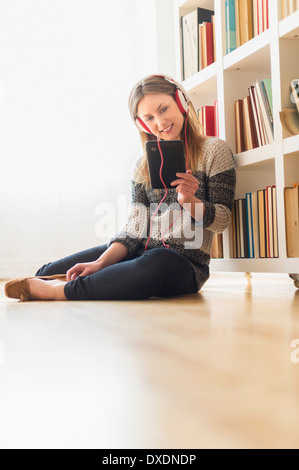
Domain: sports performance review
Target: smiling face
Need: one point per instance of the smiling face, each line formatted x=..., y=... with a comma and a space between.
x=161, y=115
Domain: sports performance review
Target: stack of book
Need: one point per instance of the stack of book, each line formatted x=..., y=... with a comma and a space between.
x=208, y=117
x=254, y=225
x=288, y=7
x=254, y=117
x=197, y=41
x=291, y=200
x=245, y=19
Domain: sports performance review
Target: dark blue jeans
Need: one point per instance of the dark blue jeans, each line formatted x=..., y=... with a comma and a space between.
x=159, y=272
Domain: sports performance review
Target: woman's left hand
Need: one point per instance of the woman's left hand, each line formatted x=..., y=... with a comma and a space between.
x=187, y=185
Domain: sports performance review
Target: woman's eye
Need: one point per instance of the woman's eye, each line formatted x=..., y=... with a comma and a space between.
x=164, y=109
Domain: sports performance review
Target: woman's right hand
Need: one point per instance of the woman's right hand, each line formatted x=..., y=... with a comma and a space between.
x=82, y=270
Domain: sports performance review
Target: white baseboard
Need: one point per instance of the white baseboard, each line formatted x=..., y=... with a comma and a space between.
x=11, y=268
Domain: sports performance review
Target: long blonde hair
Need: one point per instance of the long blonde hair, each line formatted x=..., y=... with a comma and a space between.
x=153, y=85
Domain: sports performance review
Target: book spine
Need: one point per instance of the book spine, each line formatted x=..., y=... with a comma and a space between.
x=249, y=226
x=231, y=25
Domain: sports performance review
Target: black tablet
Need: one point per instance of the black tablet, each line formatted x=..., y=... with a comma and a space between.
x=174, y=161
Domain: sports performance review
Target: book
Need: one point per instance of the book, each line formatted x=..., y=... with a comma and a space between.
x=255, y=224
x=207, y=44
x=232, y=233
x=269, y=222
x=206, y=117
x=292, y=7
x=288, y=7
x=214, y=36
x=240, y=147
x=256, y=116
x=250, y=138
x=275, y=227
x=237, y=222
x=245, y=15
x=264, y=110
x=190, y=44
x=267, y=87
x=265, y=15
x=217, y=246
x=191, y=39
x=243, y=228
x=249, y=226
x=230, y=13
x=261, y=196
x=237, y=17
x=291, y=199
x=284, y=8
x=255, y=17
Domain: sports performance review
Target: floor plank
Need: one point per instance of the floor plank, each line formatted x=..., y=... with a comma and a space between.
x=212, y=370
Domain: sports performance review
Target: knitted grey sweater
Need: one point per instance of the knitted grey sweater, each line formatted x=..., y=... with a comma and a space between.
x=217, y=180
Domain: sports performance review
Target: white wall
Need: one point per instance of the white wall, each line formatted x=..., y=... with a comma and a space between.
x=67, y=143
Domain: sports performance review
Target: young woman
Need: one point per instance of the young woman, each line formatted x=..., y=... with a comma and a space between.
x=142, y=261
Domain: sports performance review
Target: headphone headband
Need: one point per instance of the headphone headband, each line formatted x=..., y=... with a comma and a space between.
x=181, y=97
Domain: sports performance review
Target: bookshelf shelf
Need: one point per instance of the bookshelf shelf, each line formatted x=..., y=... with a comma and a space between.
x=192, y=4
x=257, y=155
x=268, y=265
x=272, y=54
x=252, y=56
x=289, y=26
x=203, y=82
x=291, y=145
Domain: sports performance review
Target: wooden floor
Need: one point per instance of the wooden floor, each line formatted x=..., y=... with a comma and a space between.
x=213, y=370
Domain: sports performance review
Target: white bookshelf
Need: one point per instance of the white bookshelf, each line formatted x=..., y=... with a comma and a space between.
x=273, y=54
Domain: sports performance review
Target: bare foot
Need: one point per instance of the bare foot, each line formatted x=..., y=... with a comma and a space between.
x=47, y=290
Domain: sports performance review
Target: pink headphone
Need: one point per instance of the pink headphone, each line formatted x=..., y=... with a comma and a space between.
x=181, y=97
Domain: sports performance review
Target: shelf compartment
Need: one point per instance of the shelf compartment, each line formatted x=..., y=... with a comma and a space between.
x=288, y=27
x=291, y=145
x=252, y=56
x=257, y=155
x=262, y=265
x=202, y=82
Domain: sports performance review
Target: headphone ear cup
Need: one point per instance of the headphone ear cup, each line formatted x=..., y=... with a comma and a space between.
x=141, y=126
x=181, y=101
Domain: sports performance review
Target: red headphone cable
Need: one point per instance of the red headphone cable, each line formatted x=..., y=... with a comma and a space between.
x=166, y=190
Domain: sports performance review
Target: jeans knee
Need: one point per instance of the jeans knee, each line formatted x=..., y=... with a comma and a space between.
x=41, y=271
x=164, y=260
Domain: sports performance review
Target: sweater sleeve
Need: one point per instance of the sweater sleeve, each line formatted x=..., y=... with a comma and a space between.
x=136, y=225
x=220, y=174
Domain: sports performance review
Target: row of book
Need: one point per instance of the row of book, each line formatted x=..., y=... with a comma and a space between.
x=291, y=201
x=245, y=19
x=288, y=7
x=254, y=117
x=254, y=229
x=254, y=225
x=197, y=41
x=208, y=117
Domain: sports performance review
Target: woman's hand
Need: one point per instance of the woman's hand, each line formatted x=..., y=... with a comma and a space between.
x=187, y=185
x=82, y=270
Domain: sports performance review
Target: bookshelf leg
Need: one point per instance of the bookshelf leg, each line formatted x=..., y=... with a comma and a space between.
x=248, y=278
x=295, y=278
